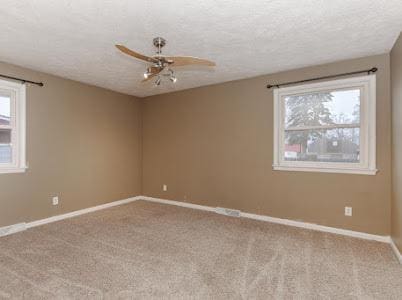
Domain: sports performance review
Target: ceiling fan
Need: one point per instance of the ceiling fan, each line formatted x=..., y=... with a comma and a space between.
x=162, y=65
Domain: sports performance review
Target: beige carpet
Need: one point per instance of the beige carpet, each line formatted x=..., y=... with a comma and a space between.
x=144, y=250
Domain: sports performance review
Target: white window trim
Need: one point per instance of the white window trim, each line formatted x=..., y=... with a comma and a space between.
x=367, y=165
x=18, y=120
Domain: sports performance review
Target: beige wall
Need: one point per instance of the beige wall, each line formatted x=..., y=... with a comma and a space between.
x=83, y=144
x=396, y=83
x=210, y=145
x=213, y=146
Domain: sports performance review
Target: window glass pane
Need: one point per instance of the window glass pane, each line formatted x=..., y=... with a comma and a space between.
x=323, y=108
x=5, y=136
x=345, y=106
x=331, y=145
x=4, y=110
x=5, y=146
x=5, y=154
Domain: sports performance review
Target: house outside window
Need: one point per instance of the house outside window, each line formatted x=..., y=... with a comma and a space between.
x=326, y=126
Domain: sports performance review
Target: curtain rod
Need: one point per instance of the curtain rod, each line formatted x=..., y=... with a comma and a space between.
x=22, y=80
x=372, y=70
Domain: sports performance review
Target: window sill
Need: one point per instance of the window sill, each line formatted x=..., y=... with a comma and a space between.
x=326, y=170
x=12, y=170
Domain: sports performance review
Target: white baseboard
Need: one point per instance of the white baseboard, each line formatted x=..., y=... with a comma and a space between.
x=311, y=226
x=317, y=227
x=178, y=203
x=80, y=212
x=23, y=226
x=12, y=229
x=396, y=251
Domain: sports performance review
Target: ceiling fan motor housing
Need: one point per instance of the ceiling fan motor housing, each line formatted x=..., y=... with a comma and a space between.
x=159, y=42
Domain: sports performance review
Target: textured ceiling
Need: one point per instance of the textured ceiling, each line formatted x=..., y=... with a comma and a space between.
x=74, y=39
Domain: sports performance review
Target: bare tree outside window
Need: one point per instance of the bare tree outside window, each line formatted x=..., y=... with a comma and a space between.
x=306, y=111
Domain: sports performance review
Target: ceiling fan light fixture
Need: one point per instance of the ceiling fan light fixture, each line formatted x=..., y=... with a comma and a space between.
x=147, y=73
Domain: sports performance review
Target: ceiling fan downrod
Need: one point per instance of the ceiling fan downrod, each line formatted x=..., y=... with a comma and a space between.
x=159, y=42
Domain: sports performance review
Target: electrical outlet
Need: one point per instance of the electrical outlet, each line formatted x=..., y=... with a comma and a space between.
x=348, y=211
x=55, y=200
x=164, y=187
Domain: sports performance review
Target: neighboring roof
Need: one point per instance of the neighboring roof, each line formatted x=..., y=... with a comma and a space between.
x=4, y=120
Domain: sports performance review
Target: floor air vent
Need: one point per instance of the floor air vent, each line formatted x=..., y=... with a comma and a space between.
x=227, y=212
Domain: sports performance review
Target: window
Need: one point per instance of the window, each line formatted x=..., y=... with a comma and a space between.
x=12, y=127
x=326, y=127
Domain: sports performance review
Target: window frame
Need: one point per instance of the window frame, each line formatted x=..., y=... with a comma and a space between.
x=367, y=164
x=17, y=125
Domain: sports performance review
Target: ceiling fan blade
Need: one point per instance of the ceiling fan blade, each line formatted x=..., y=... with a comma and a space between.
x=189, y=60
x=135, y=54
